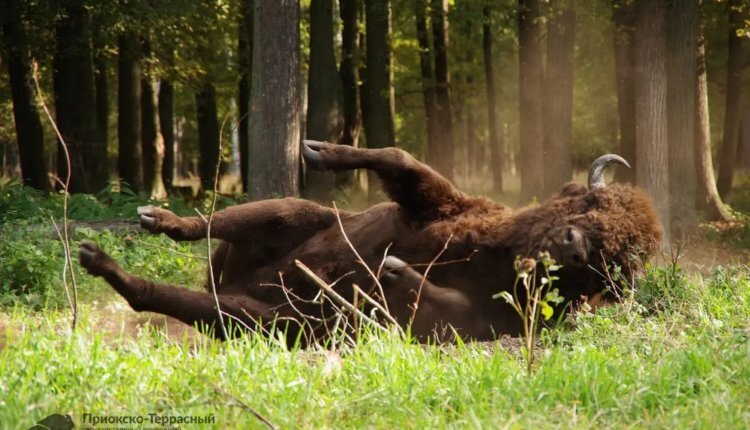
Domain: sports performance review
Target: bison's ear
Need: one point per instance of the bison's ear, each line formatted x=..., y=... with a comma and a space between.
x=573, y=189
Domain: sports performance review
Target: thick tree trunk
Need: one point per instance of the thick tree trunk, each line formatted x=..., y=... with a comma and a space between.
x=348, y=70
x=208, y=135
x=497, y=145
x=151, y=146
x=245, y=60
x=166, y=126
x=624, y=22
x=129, y=111
x=728, y=152
x=428, y=78
x=324, y=100
x=682, y=32
x=378, y=114
x=442, y=155
x=101, y=83
x=558, y=124
x=29, y=134
x=708, y=199
x=275, y=101
x=530, y=96
x=652, y=152
x=75, y=102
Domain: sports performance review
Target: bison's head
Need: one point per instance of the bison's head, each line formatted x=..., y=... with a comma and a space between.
x=588, y=228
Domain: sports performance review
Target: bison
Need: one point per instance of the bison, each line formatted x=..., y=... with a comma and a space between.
x=452, y=249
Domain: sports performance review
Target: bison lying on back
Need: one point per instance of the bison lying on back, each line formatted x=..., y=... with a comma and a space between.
x=583, y=228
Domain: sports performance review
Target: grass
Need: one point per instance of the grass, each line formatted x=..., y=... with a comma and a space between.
x=675, y=355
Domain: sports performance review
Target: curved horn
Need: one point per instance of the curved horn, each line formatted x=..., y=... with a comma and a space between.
x=596, y=171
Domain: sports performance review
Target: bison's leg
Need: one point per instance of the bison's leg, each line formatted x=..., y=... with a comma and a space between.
x=420, y=191
x=190, y=307
x=274, y=222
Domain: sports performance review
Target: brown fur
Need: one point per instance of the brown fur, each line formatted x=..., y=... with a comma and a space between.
x=261, y=241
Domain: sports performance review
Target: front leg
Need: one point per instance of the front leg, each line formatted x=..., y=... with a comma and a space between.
x=423, y=193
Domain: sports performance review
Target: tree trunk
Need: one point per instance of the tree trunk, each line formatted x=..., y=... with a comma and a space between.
x=150, y=142
x=245, y=60
x=275, y=101
x=101, y=84
x=75, y=102
x=324, y=99
x=624, y=21
x=442, y=156
x=652, y=152
x=166, y=125
x=428, y=78
x=29, y=134
x=728, y=151
x=530, y=97
x=708, y=199
x=378, y=115
x=348, y=70
x=497, y=145
x=558, y=125
x=682, y=32
x=208, y=135
x=129, y=111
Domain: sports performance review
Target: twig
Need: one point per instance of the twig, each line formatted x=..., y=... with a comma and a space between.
x=424, y=278
x=66, y=186
x=334, y=295
x=377, y=305
x=359, y=258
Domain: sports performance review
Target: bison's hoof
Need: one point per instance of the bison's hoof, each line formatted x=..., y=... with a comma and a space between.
x=92, y=258
x=147, y=215
x=395, y=269
x=314, y=153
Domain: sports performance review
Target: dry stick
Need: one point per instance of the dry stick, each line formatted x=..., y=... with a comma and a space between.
x=65, y=236
x=359, y=258
x=377, y=305
x=424, y=278
x=334, y=295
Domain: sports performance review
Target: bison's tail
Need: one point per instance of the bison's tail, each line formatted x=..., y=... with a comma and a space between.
x=217, y=264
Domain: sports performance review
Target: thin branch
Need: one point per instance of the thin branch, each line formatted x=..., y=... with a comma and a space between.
x=424, y=278
x=65, y=234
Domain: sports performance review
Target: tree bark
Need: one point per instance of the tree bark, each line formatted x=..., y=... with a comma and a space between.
x=708, y=199
x=129, y=111
x=728, y=152
x=530, y=99
x=558, y=125
x=428, y=77
x=208, y=135
x=348, y=70
x=166, y=126
x=682, y=32
x=378, y=114
x=442, y=155
x=624, y=22
x=101, y=84
x=275, y=101
x=497, y=145
x=652, y=153
x=324, y=100
x=75, y=101
x=150, y=142
x=29, y=134
x=245, y=60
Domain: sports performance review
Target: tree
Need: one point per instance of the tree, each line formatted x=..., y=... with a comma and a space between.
x=166, y=127
x=558, y=124
x=708, y=198
x=441, y=154
x=624, y=17
x=530, y=99
x=29, y=134
x=208, y=134
x=728, y=153
x=497, y=145
x=428, y=77
x=245, y=63
x=682, y=32
x=652, y=154
x=275, y=101
x=75, y=100
x=348, y=70
x=378, y=104
x=150, y=138
x=324, y=99
x=129, y=110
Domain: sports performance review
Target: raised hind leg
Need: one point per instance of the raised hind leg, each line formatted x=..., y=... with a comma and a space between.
x=240, y=312
x=422, y=192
